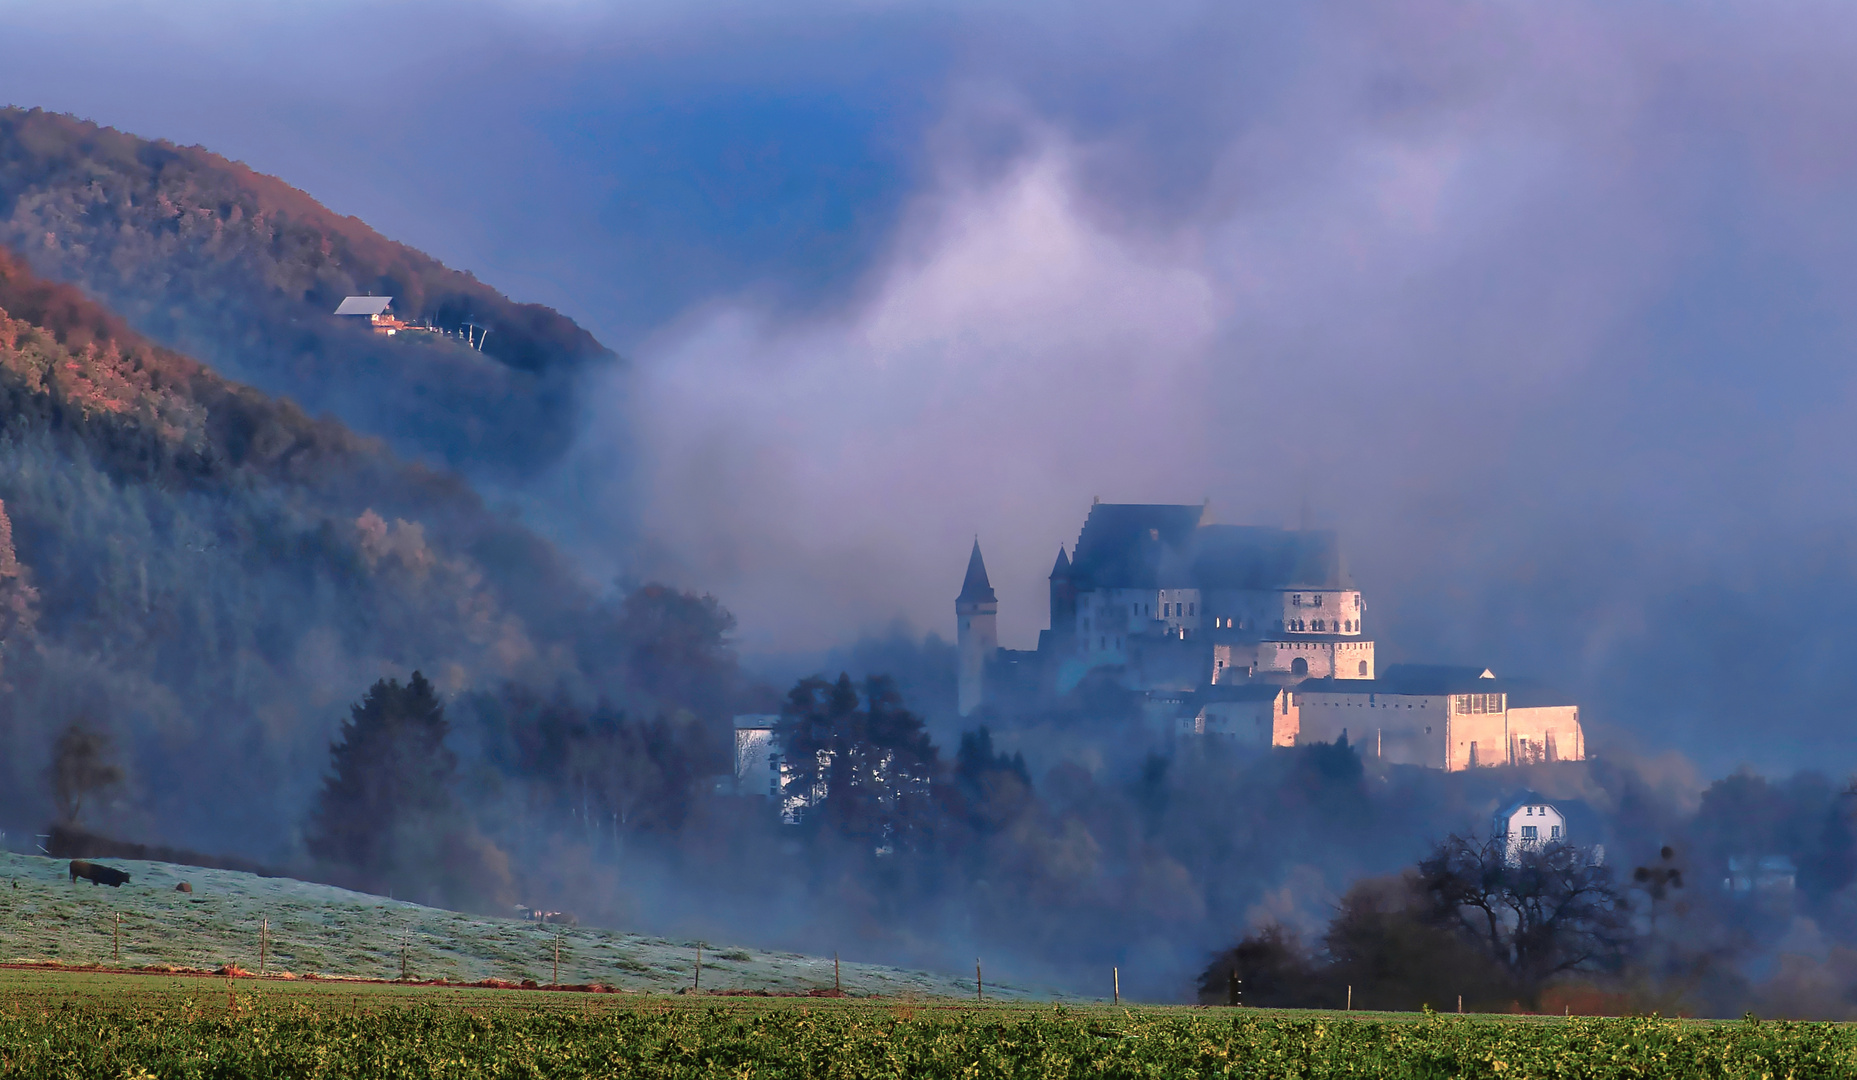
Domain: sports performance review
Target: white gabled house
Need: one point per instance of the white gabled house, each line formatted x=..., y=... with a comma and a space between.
x=1530, y=822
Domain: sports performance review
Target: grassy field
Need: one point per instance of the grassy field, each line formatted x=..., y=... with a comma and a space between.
x=334, y=932
x=85, y=1025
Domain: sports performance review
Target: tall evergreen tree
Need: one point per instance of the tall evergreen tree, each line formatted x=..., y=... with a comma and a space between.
x=391, y=772
x=863, y=764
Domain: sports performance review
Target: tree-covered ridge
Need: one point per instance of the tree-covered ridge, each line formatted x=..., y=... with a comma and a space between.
x=209, y=257
x=210, y=574
x=70, y=365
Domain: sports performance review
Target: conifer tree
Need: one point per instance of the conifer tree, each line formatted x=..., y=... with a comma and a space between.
x=863, y=765
x=391, y=772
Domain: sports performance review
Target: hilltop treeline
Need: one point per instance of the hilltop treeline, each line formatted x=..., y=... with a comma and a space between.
x=241, y=270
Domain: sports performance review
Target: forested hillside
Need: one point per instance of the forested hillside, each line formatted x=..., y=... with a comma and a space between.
x=241, y=270
x=210, y=577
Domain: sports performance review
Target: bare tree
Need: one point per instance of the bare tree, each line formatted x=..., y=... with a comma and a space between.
x=1538, y=910
x=83, y=765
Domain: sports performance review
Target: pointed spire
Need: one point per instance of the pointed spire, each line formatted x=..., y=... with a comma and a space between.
x=976, y=588
x=1062, y=569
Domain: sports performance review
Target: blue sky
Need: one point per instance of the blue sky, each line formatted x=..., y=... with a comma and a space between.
x=1547, y=307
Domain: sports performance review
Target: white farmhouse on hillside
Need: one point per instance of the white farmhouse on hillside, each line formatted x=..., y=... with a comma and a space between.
x=1530, y=823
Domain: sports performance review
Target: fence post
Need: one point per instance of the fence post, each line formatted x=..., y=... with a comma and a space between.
x=557, y=981
x=698, y=985
x=979, y=993
x=264, y=934
x=116, y=939
x=1115, y=989
x=837, y=987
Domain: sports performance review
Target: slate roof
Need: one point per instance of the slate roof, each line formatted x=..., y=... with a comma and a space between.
x=975, y=588
x=1427, y=675
x=1401, y=687
x=1167, y=546
x=364, y=305
x=1429, y=680
x=1262, y=557
x=1135, y=546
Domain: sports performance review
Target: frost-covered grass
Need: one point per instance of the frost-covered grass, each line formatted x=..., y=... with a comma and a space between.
x=323, y=930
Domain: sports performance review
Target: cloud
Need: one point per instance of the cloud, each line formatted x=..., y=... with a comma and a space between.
x=819, y=473
x=1522, y=300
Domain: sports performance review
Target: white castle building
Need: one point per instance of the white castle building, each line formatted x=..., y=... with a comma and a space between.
x=1247, y=632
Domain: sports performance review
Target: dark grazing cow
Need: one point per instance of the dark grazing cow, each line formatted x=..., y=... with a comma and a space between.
x=98, y=875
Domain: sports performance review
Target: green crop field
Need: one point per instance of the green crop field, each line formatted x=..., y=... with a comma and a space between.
x=93, y=1025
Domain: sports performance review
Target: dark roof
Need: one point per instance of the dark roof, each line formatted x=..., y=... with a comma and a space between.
x=1440, y=682
x=1135, y=545
x=1263, y=557
x=1061, y=571
x=1146, y=546
x=1432, y=672
x=976, y=588
x=1406, y=687
x=1244, y=691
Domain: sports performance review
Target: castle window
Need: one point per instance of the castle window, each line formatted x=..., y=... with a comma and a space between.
x=1295, y=599
x=1192, y=609
x=1318, y=599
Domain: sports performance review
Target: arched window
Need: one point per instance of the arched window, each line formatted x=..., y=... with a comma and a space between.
x=1363, y=669
x=1299, y=666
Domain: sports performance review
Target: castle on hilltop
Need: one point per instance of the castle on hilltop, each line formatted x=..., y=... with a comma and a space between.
x=1246, y=632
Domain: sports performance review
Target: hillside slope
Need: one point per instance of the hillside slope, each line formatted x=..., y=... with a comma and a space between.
x=212, y=576
x=242, y=270
x=330, y=931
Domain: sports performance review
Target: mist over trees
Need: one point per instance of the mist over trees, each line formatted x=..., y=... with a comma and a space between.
x=290, y=645
x=211, y=576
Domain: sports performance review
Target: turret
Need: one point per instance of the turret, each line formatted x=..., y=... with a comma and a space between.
x=1063, y=604
x=976, y=613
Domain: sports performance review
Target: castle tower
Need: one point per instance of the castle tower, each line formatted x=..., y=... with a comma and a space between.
x=1063, y=605
x=976, y=613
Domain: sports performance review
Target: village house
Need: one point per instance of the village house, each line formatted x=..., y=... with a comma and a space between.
x=375, y=310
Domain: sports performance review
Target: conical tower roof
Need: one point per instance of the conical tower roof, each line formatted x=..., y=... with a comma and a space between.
x=1061, y=571
x=976, y=588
